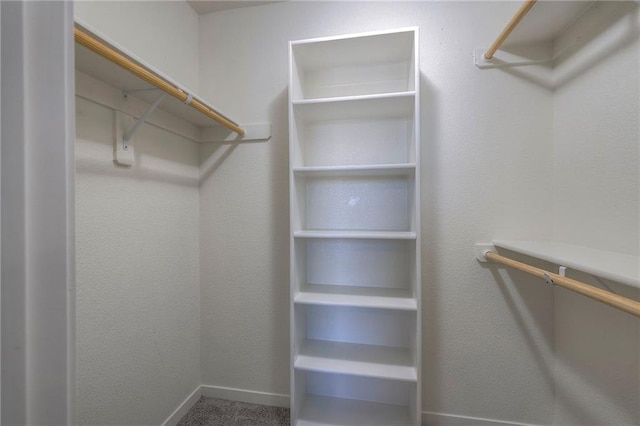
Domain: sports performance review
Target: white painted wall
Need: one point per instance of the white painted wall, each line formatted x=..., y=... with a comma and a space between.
x=137, y=232
x=597, y=204
x=487, y=173
x=138, y=312
x=502, y=158
x=164, y=34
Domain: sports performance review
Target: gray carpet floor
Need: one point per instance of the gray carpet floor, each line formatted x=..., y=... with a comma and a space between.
x=221, y=412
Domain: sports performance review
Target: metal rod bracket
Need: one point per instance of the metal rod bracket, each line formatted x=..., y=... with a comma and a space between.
x=125, y=128
x=126, y=93
x=129, y=135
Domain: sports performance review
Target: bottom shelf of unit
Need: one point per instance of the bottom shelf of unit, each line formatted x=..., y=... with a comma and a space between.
x=322, y=410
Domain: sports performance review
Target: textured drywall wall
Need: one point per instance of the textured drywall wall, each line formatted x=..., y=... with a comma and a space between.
x=487, y=173
x=138, y=310
x=162, y=33
x=596, y=203
x=137, y=231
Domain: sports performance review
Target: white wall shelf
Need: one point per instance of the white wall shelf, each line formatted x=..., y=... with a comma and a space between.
x=532, y=39
x=355, y=269
x=104, y=82
x=618, y=267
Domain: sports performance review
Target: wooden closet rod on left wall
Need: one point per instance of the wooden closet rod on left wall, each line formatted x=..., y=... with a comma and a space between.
x=94, y=44
x=524, y=9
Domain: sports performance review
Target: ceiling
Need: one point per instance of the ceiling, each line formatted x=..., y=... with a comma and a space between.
x=210, y=6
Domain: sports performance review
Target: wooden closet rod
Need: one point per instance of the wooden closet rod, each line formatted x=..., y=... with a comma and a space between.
x=526, y=7
x=619, y=302
x=94, y=44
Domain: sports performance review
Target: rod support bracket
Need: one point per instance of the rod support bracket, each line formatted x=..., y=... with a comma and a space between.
x=125, y=128
x=129, y=135
x=123, y=154
x=126, y=93
x=481, y=250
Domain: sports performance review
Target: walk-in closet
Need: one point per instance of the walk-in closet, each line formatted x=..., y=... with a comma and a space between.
x=350, y=213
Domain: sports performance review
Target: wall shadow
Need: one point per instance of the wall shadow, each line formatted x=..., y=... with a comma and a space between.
x=430, y=225
x=279, y=233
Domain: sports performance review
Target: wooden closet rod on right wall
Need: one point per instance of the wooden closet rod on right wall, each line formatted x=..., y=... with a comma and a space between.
x=619, y=302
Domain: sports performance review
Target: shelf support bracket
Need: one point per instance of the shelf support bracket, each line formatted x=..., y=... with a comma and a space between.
x=123, y=154
x=145, y=115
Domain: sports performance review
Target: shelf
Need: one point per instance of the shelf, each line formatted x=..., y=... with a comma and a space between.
x=546, y=21
x=323, y=410
x=356, y=98
x=387, y=105
x=356, y=296
x=532, y=34
x=370, y=63
x=366, y=142
x=381, y=362
x=408, y=170
x=97, y=66
x=361, y=263
x=377, y=235
x=618, y=267
x=365, y=326
x=360, y=203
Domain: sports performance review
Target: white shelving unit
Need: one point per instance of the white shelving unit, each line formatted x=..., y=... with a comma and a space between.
x=355, y=230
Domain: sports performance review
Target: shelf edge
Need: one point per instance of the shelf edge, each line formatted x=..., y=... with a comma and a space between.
x=524, y=247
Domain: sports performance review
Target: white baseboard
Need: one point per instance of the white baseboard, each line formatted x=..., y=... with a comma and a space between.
x=182, y=409
x=439, y=419
x=254, y=397
x=281, y=400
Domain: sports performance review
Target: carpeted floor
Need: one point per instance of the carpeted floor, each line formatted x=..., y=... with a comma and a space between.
x=221, y=412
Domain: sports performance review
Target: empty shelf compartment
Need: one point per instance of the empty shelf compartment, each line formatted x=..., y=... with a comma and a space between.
x=366, y=326
x=379, y=203
x=331, y=265
x=353, y=66
x=358, y=131
x=336, y=399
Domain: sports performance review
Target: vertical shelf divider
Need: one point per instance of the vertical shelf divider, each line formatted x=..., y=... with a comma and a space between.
x=354, y=173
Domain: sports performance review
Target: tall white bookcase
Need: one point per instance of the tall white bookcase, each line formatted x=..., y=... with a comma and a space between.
x=354, y=132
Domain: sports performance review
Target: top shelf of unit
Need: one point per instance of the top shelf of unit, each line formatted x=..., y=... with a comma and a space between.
x=97, y=66
x=364, y=64
x=618, y=267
